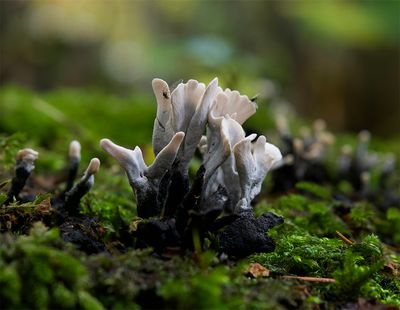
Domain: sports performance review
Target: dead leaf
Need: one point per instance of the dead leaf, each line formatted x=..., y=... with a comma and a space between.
x=256, y=270
x=44, y=207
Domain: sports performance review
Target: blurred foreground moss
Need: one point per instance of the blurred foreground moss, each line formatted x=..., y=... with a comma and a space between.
x=39, y=271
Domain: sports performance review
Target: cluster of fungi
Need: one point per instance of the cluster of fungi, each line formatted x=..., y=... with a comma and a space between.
x=216, y=204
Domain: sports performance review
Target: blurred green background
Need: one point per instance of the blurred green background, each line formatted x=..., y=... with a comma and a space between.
x=83, y=69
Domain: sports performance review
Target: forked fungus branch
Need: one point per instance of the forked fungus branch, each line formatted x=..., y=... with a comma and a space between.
x=233, y=168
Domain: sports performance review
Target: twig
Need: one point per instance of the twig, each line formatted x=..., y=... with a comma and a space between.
x=344, y=238
x=310, y=279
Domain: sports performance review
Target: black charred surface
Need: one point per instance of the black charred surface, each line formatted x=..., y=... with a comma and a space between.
x=247, y=235
x=223, y=221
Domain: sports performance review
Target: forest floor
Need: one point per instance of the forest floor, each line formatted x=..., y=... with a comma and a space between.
x=338, y=247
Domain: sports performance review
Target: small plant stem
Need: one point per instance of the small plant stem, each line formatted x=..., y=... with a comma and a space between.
x=310, y=279
x=344, y=238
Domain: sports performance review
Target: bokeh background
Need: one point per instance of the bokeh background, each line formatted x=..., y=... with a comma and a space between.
x=85, y=64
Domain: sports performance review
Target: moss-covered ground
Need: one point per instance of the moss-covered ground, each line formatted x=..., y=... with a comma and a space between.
x=336, y=249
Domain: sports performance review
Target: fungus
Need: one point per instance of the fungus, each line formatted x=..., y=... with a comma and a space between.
x=67, y=202
x=304, y=156
x=145, y=181
x=62, y=210
x=306, y=159
x=79, y=229
x=74, y=196
x=25, y=163
x=219, y=199
x=74, y=160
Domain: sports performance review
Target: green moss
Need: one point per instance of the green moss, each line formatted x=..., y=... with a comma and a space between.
x=88, y=302
x=64, y=296
x=393, y=226
x=352, y=276
x=50, y=118
x=358, y=265
x=385, y=289
x=361, y=215
x=356, y=268
x=39, y=272
x=315, y=190
x=315, y=216
x=200, y=292
x=10, y=284
x=299, y=253
x=9, y=146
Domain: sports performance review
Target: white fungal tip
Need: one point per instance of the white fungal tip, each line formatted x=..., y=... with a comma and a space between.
x=298, y=145
x=319, y=125
x=176, y=141
x=179, y=135
x=93, y=166
x=289, y=159
x=364, y=136
x=365, y=177
x=346, y=150
x=160, y=87
x=315, y=151
x=114, y=150
x=27, y=154
x=157, y=81
x=214, y=81
x=326, y=138
x=103, y=142
x=281, y=124
x=273, y=152
x=75, y=149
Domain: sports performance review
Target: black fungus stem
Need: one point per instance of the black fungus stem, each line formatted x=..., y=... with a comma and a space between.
x=72, y=172
x=177, y=190
x=22, y=173
x=74, y=196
